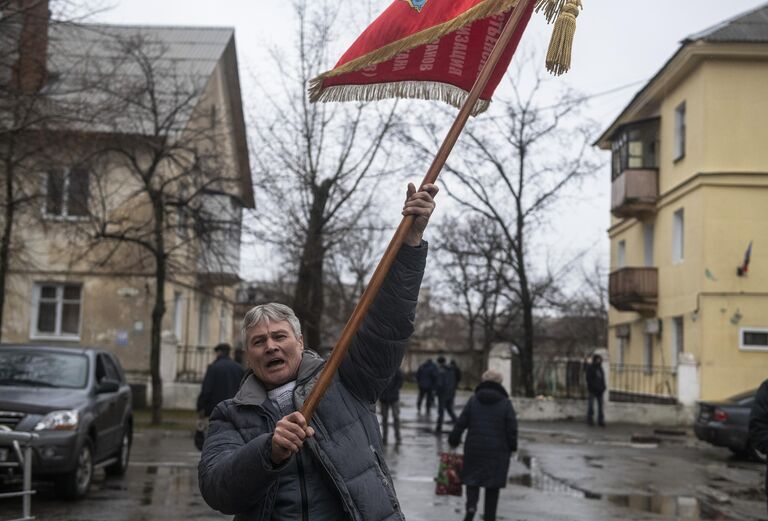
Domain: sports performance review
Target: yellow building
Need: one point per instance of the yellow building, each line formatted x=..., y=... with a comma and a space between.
x=689, y=204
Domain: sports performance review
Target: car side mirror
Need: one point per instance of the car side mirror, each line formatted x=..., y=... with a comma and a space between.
x=108, y=385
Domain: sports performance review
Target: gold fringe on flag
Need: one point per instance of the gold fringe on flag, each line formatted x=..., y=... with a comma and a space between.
x=564, y=13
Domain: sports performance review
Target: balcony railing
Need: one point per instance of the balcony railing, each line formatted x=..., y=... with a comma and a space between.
x=634, y=289
x=643, y=384
x=634, y=193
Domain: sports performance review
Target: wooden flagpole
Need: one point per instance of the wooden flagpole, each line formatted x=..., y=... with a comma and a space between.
x=356, y=319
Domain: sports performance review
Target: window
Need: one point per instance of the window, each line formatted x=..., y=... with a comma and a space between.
x=621, y=254
x=224, y=323
x=648, y=352
x=753, y=339
x=678, y=237
x=634, y=147
x=56, y=311
x=204, y=316
x=680, y=131
x=677, y=339
x=105, y=369
x=178, y=314
x=622, y=352
x=67, y=193
x=648, y=245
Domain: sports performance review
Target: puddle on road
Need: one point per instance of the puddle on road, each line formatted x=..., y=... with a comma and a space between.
x=682, y=507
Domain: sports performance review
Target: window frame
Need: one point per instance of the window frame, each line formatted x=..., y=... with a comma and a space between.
x=678, y=338
x=64, y=215
x=621, y=254
x=681, y=125
x=204, y=317
x=648, y=346
x=678, y=236
x=34, y=334
x=752, y=347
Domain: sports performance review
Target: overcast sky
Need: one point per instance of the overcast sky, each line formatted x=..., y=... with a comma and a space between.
x=618, y=44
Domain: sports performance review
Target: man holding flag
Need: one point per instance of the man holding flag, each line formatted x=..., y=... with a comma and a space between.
x=262, y=460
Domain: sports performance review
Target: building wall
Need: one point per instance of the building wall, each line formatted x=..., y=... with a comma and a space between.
x=722, y=185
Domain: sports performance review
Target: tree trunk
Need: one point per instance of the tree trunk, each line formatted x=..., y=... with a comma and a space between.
x=309, y=298
x=5, y=242
x=158, y=311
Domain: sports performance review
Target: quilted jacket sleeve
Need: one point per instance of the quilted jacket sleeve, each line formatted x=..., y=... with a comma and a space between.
x=235, y=476
x=379, y=346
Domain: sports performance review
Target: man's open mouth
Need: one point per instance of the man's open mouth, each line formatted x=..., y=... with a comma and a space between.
x=277, y=362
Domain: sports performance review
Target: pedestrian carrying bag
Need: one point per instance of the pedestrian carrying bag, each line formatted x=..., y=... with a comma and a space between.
x=448, y=480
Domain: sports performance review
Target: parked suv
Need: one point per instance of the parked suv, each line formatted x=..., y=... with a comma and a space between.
x=77, y=401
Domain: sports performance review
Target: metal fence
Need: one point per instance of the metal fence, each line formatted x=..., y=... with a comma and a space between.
x=191, y=363
x=17, y=447
x=643, y=384
x=557, y=379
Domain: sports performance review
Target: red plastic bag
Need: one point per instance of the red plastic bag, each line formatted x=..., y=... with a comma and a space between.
x=449, y=474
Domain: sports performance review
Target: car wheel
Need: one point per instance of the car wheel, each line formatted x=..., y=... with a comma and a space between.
x=75, y=484
x=123, y=454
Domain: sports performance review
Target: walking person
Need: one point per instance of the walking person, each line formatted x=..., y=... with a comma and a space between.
x=426, y=376
x=758, y=425
x=596, y=388
x=491, y=426
x=221, y=381
x=390, y=401
x=445, y=391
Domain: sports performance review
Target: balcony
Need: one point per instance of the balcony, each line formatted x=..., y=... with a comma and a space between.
x=634, y=289
x=634, y=193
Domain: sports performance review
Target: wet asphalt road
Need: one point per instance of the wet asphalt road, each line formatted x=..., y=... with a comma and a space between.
x=564, y=471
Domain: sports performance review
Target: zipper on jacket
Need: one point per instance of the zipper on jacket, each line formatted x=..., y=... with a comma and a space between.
x=303, y=487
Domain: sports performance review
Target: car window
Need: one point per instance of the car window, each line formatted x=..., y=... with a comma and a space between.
x=112, y=371
x=105, y=369
x=43, y=369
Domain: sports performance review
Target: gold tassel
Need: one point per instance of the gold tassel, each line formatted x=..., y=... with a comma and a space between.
x=559, y=53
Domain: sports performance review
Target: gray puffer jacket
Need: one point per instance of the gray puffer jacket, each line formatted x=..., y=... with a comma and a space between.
x=236, y=473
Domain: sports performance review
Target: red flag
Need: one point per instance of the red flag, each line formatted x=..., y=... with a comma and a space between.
x=426, y=49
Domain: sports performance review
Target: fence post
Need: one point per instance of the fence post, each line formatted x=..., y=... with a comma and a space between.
x=688, y=379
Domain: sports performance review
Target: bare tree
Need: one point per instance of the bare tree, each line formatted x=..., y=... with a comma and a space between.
x=165, y=197
x=510, y=167
x=318, y=165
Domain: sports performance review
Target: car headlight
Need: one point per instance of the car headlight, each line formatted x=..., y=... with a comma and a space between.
x=59, y=421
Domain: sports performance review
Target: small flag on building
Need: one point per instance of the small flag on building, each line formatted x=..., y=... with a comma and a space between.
x=744, y=268
x=435, y=49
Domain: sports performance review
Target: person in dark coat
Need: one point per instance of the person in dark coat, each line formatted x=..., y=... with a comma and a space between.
x=221, y=382
x=426, y=378
x=445, y=391
x=596, y=388
x=758, y=425
x=390, y=401
x=262, y=460
x=457, y=373
x=491, y=426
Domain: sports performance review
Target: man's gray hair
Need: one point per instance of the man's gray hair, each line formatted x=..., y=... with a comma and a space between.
x=269, y=312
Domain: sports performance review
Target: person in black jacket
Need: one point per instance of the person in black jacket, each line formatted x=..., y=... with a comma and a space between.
x=758, y=425
x=426, y=378
x=445, y=391
x=221, y=381
x=596, y=389
x=390, y=401
x=491, y=426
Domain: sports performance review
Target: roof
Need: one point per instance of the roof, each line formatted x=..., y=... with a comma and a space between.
x=183, y=60
x=750, y=28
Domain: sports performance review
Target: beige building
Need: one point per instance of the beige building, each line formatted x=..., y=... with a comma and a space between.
x=56, y=293
x=689, y=205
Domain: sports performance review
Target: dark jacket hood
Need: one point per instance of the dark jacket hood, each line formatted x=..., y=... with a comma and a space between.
x=253, y=392
x=490, y=392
